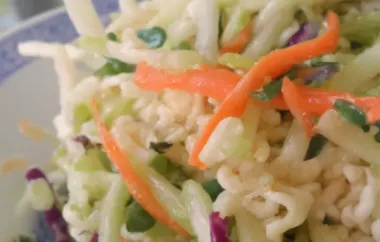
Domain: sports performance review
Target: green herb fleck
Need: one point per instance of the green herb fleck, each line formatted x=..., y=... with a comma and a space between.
x=155, y=37
x=377, y=137
x=270, y=91
x=316, y=144
x=213, y=188
x=138, y=220
x=114, y=67
x=351, y=113
x=184, y=45
x=112, y=37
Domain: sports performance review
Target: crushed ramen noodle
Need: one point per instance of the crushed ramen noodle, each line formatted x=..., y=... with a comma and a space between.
x=214, y=120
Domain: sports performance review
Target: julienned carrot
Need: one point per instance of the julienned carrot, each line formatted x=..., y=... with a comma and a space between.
x=272, y=65
x=135, y=184
x=373, y=114
x=296, y=105
x=238, y=43
x=208, y=81
x=320, y=100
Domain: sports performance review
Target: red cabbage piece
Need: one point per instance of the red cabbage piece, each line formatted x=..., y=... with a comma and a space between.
x=219, y=228
x=34, y=174
x=95, y=237
x=306, y=32
x=52, y=216
x=323, y=74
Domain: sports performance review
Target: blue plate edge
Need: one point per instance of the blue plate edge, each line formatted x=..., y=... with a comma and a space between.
x=54, y=28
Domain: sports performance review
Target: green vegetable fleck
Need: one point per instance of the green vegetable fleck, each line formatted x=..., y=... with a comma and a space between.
x=112, y=37
x=138, y=220
x=155, y=37
x=114, y=67
x=273, y=89
x=377, y=137
x=24, y=238
x=184, y=45
x=213, y=188
x=351, y=113
x=316, y=144
x=366, y=128
x=270, y=91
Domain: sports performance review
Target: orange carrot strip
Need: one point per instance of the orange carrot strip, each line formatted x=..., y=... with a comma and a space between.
x=135, y=184
x=238, y=43
x=373, y=114
x=295, y=102
x=273, y=65
x=208, y=81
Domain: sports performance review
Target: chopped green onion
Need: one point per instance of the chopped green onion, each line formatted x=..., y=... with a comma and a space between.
x=270, y=91
x=160, y=147
x=273, y=89
x=155, y=37
x=24, y=238
x=138, y=220
x=112, y=37
x=114, y=67
x=377, y=137
x=160, y=164
x=366, y=128
x=315, y=146
x=350, y=112
x=184, y=45
x=213, y=188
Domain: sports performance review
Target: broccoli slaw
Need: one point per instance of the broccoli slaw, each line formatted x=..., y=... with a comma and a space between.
x=215, y=121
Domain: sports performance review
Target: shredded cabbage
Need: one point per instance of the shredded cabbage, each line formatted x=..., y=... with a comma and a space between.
x=40, y=195
x=169, y=15
x=167, y=195
x=349, y=137
x=128, y=6
x=83, y=14
x=269, y=25
x=206, y=17
x=236, y=61
x=113, y=211
x=239, y=19
x=225, y=142
x=363, y=68
x=171, y=60
x=199, y=208
x=361, y=28
x=254, y=6
x=249, y=228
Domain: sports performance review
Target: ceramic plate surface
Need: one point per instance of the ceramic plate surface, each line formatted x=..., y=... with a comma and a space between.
x=28, y=90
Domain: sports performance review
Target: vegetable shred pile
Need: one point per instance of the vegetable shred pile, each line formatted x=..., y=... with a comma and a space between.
x=215, y=121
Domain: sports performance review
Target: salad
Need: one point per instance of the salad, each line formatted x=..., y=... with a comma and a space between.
x=215, y=121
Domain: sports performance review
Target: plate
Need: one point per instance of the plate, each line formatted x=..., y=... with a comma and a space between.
x=28, y=90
